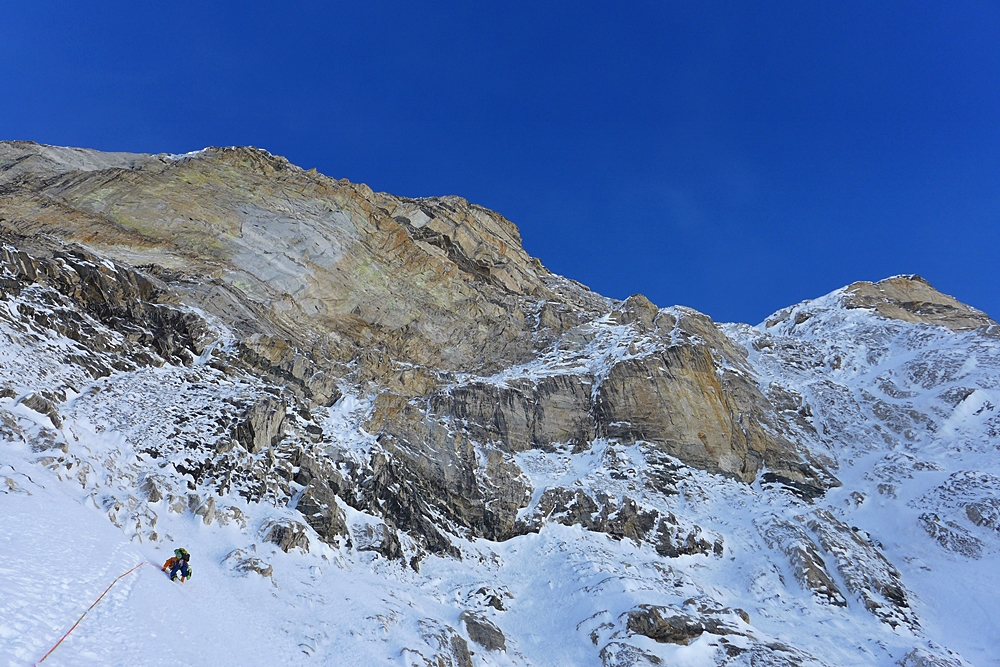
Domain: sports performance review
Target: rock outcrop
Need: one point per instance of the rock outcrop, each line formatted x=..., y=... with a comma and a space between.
x=912, y=299
x=807, y=565
x=662, y=624
x=287, y=535
x=624, y=518
x=866, y=571
x=483, y=632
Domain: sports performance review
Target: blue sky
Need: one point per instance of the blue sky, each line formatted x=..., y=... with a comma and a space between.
x=734, y=157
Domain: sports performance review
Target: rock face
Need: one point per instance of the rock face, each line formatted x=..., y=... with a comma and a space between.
x=912, y=299
x=326, y=285
x=397, y=377
x=327, y=265
x=524, y=414
x=676, y=400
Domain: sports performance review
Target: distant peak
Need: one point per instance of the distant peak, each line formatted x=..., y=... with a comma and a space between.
x=912, y=299
x=906, y=297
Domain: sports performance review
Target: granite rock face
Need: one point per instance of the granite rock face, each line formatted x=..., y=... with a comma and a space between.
x=524, y=414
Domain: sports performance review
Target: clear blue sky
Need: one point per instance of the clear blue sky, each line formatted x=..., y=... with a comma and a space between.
x=733, y=157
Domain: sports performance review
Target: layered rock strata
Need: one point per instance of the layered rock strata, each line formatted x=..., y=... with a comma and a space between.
x=430, y=306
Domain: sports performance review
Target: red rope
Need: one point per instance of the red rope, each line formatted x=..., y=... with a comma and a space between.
x=120, y=577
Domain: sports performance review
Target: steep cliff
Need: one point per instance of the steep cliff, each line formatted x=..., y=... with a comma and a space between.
x=431, y=307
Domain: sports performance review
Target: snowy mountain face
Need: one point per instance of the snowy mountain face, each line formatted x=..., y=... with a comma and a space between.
x=389, y=436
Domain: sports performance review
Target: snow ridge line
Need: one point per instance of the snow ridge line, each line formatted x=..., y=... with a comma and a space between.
x=120, y=577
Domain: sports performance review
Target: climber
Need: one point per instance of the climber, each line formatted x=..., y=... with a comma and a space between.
x=178, y=564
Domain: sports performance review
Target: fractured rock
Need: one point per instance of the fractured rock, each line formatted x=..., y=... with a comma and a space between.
x=153, y=489
x=380, y=538
x=666, y=625
x=206, y=510
x=639, y=310
x=985, y=513
x=261, y=425
x=449, y=649
x=620, y=654
x=318, y=505
x=674, y=628
x=675, y=539
x=966, y=496
x=952, y=536
x=482, y=631
x=921, y=657
x=624, y=519
x=803, y=554
x=430, y=465
x=42, y=405
x=866, y=572
x=286, y=534
x=405, y=502
x=242, y=563
x=523, y=414
x=490, y=597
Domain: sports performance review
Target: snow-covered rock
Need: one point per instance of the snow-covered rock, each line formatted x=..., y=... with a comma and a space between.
x=388, y=436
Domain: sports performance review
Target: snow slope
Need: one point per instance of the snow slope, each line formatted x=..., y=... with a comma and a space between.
x=907, y=410
x=904, y=412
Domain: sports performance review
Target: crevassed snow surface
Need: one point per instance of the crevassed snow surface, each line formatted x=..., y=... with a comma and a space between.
x=901, y=408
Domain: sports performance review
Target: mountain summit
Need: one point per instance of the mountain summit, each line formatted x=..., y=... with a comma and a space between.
x=295, y=371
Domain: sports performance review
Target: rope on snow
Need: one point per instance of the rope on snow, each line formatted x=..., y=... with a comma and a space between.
x=120, y=577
